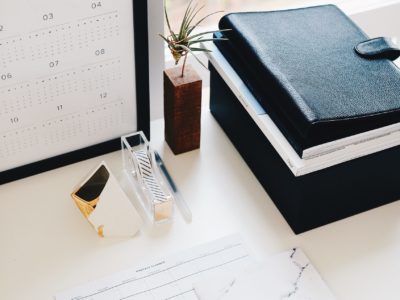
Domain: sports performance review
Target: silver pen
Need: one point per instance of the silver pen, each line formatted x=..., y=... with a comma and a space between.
x=180, y=202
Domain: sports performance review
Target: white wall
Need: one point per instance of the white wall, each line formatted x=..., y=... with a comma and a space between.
x=380, y=21
x=156, y=57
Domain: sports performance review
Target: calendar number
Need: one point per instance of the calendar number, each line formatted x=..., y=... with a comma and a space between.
x=6, y=76
x=47, y=17
x=1, y=28
x=99, y=52
x=14, y=120
x=53, y=64
x=103, y=95
x=96, y=4
x=60, y=107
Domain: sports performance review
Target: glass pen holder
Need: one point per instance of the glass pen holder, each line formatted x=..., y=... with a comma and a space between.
x=143, y=173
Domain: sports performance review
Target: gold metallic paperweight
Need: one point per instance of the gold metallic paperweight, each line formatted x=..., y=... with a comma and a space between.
x=104, y=204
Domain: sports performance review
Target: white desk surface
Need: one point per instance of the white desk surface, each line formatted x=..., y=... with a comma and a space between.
x=47, y=246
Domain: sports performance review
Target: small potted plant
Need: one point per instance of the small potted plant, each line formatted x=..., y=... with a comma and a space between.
x=182, y=85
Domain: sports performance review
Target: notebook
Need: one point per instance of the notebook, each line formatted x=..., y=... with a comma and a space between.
x=302, y=66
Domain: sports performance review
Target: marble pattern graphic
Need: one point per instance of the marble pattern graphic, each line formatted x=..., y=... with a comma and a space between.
x=289, y=275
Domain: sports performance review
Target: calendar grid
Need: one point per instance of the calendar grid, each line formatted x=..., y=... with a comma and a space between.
x=67, y=81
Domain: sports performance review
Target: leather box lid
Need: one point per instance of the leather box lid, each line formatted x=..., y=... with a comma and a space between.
x=306, y=63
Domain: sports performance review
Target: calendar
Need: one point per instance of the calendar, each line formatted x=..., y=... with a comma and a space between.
x=67, y=77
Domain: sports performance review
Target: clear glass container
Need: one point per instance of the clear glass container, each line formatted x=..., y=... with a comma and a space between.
x=140, y=165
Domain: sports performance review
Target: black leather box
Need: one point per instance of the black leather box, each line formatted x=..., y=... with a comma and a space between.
x=316, y=198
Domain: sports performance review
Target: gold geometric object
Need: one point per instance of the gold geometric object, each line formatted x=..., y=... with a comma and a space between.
x=86, y=207
x=100, y=230
x=87, y=196
x=103, y=203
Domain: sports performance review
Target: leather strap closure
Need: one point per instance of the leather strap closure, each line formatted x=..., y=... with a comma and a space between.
x=378, y=48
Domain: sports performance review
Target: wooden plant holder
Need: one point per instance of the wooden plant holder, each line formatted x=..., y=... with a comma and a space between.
x=182, y=109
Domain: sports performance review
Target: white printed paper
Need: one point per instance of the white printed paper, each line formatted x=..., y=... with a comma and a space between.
x=169, y=278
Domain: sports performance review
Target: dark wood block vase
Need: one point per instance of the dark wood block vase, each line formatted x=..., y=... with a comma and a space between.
x=182, y=109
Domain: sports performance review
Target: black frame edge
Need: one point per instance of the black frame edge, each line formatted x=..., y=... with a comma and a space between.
x=140, y=20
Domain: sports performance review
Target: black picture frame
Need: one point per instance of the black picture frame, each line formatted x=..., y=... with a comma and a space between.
x=140, y=23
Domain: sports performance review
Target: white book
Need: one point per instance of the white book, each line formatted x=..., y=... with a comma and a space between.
x=314, y=158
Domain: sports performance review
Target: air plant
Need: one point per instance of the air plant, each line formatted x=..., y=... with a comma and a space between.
x=185, y=42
